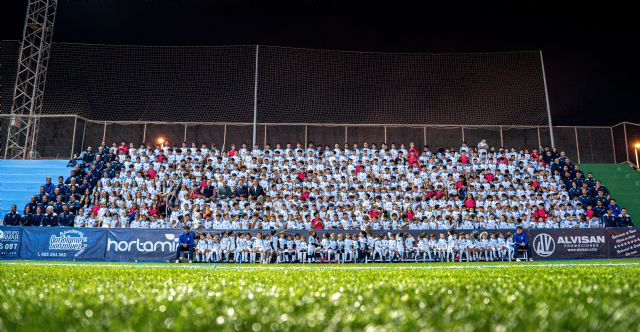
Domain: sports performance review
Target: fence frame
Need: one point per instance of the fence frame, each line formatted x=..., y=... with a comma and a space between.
x=346, y=132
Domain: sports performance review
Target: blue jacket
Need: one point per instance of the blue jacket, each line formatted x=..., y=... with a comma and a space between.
x=48, y=187
x=50, y=220
x=187, y=238
x=12, y=219
x=616, y=209
x=66, y=219
x=519, y=238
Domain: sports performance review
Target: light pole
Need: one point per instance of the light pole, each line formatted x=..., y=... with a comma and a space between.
x=637, y=146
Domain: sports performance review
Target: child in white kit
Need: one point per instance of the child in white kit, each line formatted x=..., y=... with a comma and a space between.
x=441, y=247
x=400, y=246
x=493, y=246
x=392, y=247
x=202, y=248
x=510, y=248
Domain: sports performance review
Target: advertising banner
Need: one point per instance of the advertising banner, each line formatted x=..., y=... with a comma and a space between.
x=62, y=243
x=10, y=241
x=625, y=242
x=160, y=245
x=569, y=243
x=142, y=245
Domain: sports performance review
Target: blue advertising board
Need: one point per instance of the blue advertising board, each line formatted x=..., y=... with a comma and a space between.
x=63, y=243
x=142, y=245
x=10, y=242
x=160, y=245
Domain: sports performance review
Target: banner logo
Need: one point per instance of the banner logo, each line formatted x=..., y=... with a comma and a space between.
x=9, y=235
x=171, y=245
x=544, y=245
x=71, y=240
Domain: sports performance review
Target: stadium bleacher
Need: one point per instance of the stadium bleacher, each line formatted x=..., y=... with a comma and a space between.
x=19, y=179
x=349, y=187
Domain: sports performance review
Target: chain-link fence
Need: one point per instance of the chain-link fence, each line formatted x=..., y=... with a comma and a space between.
x=62, y=136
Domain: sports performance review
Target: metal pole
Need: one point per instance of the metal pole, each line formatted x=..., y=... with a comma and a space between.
x=265, y=137
x=637, y=164
x=104, y=132
x=224, y=138
x=385, y=135
x=144, y=133
x=424, y=134
x=345, y=135
x=255, y=98
x=575, y=129
x=73, y=139
x=626, y=142
x=613, y=146
x=462, y=133
x=84, y=133
x=546, y=96
x=501, y=138
x=305, y=137
x=539, y=140
x=185, y=133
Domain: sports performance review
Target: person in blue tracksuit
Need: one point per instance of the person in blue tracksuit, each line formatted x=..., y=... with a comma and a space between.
x=66, y=218
x=12, y=218
x=50, y=218
x=624, y=219
x=521, y=242
x=186, y=243
x=38, y=217
x=48, y=186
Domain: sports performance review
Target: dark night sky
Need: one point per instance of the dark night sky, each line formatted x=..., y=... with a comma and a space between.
x=591, y=60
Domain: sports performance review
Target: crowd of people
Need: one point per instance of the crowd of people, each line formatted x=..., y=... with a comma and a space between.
x=361, y=247
x=350, y=187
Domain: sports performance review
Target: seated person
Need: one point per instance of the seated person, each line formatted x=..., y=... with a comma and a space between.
x=186, y=243
x=521, y=242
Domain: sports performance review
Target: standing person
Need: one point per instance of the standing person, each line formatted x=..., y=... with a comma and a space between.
x=521, y=242
x=186, y=243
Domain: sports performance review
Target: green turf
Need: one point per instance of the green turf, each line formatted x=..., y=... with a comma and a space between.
x=623, y=183
x=581, y=295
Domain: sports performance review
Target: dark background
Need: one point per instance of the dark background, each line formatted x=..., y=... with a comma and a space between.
x=590, y=55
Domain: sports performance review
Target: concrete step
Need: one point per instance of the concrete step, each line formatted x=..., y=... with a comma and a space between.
x=33, y=163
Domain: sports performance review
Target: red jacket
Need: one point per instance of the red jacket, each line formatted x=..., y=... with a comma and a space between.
x=540, y=213
x=317, y=224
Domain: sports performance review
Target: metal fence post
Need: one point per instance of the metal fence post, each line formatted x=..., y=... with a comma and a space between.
x=539, y=140
x=501, y=138
x=575, y=129
x=255, y=99
x=462, y=127
x=104, y=132
x=424, y=134
x=144, y=133
x=265, y=137
x=346, y=138
x=613, y=146
x=224, y=138
x=626, y=142
x=84, y=133
x=306, y=141
x=185, y=133
x=73, y=139
x=385, y=135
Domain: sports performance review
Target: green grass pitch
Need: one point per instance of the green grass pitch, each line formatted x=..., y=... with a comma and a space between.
x=594, y=295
